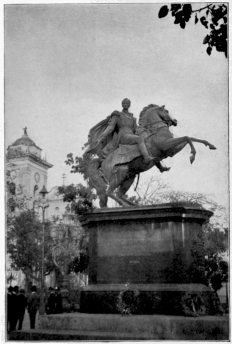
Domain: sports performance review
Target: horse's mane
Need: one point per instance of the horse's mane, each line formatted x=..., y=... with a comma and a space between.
x=144, y=110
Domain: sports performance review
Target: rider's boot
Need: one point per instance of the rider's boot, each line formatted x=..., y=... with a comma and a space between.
x=143, y=149
x=161, y=167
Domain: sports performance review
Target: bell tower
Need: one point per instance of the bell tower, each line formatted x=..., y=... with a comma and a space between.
x=27, y=168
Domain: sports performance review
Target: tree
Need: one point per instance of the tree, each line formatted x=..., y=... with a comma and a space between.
x=24, y=230
x=81, y=199
x=156, y=191
x=212, y=16
x=24, y=244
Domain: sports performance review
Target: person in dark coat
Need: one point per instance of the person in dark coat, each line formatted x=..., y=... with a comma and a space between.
x=33, y=305
x=50, y=306
x=14, y=304
x=9, y=308
x=58, y=307
x=22, y=304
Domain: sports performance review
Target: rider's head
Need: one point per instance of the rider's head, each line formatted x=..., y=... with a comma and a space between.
x=126, y=103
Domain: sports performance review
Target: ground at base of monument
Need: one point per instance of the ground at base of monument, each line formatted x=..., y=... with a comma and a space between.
x=82, y=326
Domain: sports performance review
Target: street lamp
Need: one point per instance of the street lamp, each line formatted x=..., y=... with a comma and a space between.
x=65, y=282
x=42, y=204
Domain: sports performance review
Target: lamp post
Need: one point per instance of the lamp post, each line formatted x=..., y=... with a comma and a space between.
x=65, y=282
x=42, y=204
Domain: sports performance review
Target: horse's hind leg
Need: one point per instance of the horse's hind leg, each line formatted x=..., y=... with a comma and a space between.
x=103, y=198
x=124, y=187
x=115, y=180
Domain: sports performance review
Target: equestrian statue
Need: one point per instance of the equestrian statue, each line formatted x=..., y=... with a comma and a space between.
x=125, y=149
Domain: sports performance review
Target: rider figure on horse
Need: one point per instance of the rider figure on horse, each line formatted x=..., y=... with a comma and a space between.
x=126, y=127
x=119, y=128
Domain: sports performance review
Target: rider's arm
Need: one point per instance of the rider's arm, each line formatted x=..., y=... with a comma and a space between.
x=110, y=127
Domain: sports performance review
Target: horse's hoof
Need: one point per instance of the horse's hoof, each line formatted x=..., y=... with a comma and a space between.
x=212, y=147
x=165, y=169
x=191, y=159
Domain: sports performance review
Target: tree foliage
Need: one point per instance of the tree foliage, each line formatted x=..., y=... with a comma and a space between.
x=80, y=197
x=79, y=164
x=24, y=243
x=213, y=17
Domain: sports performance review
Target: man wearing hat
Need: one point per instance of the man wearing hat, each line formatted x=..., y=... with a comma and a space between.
x=14, y=304
x=22, y=304
x=33, y=305
x=58, y=301
x=9, y=308
x=51, y=301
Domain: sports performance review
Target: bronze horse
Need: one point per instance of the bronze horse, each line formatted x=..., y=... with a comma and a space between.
x=154, y=121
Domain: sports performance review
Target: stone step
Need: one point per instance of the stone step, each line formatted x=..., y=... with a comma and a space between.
x=149, y=327
x=40, y=334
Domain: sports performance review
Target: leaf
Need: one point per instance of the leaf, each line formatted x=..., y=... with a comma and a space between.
x=202, y=19
x=187, y=8
x=206, y=39
x=187, y=11
x=204, y=22
x=163, y=11
x=175, y=8
x=209, y=50
x=182, y=24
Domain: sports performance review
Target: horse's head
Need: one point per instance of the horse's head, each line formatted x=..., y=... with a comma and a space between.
x=159, y=112
x=165, y=116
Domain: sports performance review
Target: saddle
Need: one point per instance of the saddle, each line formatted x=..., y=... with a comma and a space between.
x=122, y=155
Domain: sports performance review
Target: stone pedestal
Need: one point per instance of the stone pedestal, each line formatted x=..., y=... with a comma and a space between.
x=152, y=255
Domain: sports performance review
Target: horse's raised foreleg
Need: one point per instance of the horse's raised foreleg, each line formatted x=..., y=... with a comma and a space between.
x=206, y=143
x=171, y=146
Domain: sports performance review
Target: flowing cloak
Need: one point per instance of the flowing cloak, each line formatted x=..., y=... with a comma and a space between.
x=96, y=147
x=121, y=154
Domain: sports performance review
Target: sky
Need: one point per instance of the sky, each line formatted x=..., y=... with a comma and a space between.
x=69, y=66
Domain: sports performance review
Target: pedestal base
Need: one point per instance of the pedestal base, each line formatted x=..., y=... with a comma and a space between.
x=168, y=299
x=158, y=251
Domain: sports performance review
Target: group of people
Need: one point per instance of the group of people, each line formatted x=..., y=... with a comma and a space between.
x=54, y=302
x=17, y=302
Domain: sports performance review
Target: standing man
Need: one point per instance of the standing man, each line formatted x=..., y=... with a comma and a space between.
x=51, y=301
x=22, y=304
x=58, y=307
x=33, y=306
x=9, y=309
x=14, y=304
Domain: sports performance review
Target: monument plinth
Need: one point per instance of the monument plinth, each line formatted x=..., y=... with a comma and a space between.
x=156, y=251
